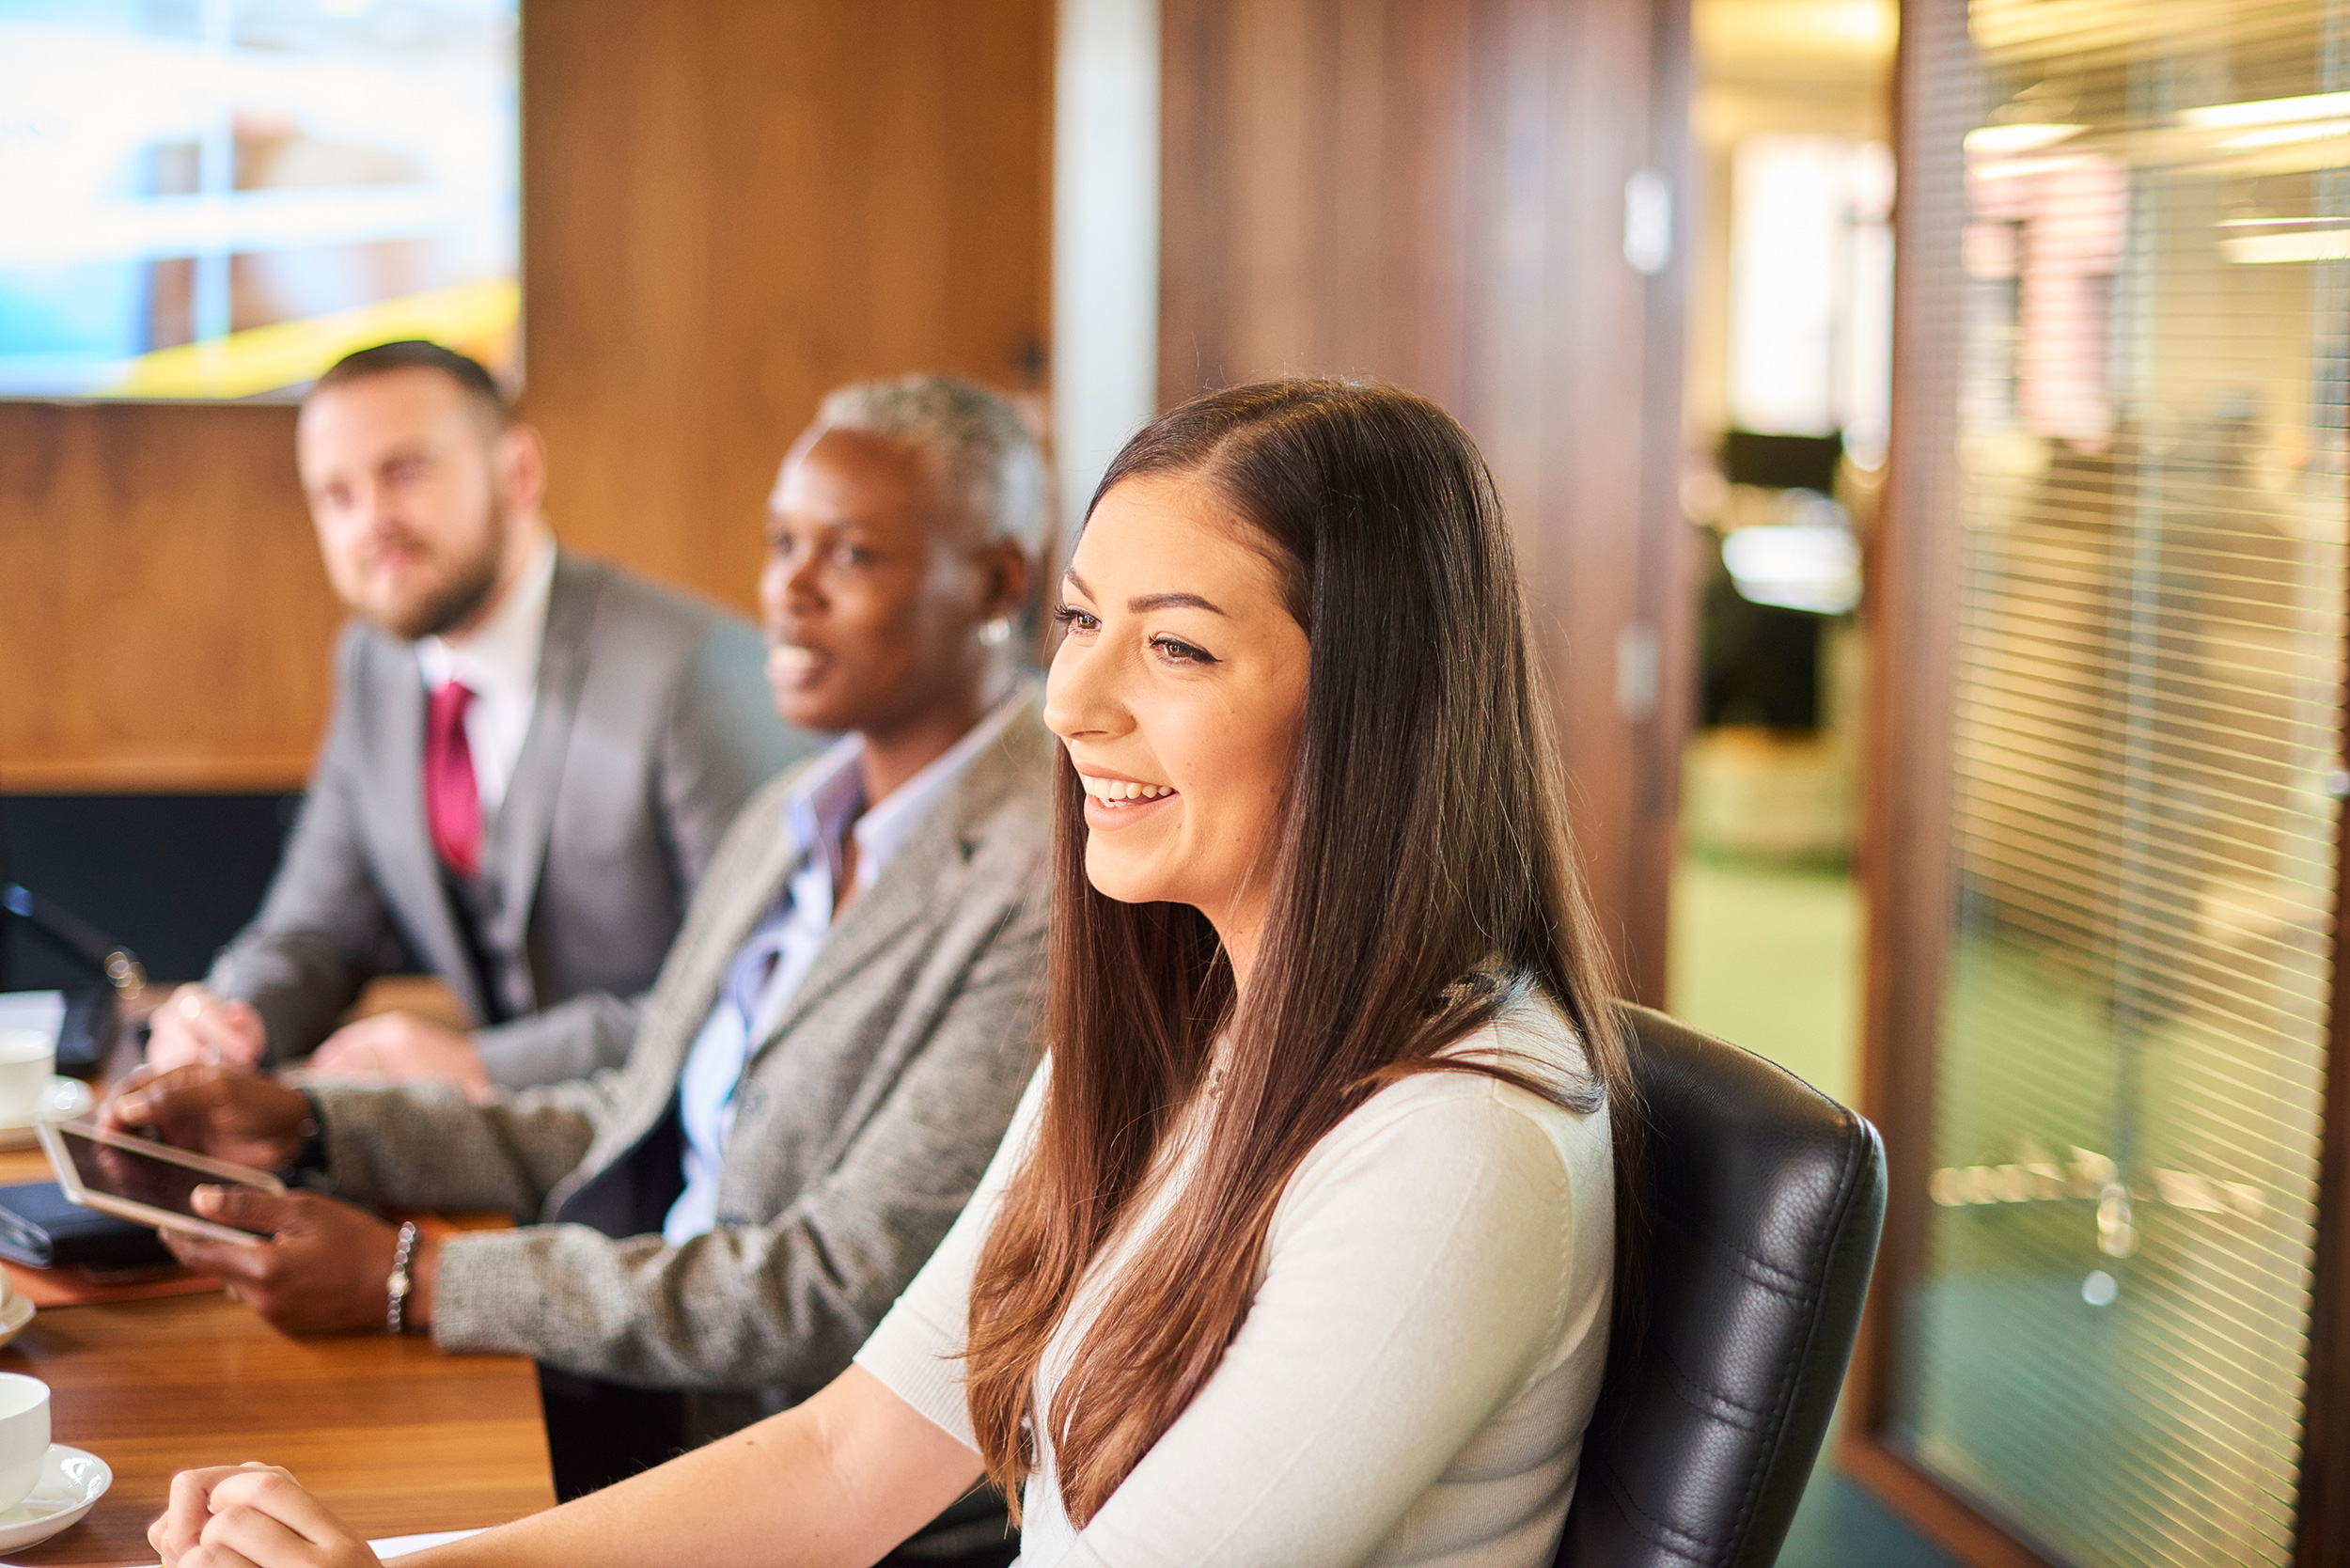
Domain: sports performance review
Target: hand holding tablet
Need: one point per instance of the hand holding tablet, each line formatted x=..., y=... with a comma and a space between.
x=151, y=1183
x=225, y=1112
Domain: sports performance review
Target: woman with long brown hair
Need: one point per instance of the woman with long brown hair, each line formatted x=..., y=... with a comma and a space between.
x=1301, y=1248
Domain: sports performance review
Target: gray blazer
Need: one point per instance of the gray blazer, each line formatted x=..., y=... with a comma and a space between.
x=863, y=1122
x=653, y=725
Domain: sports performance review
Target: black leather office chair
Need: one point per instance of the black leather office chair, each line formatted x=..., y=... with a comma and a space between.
x=1765, y=1202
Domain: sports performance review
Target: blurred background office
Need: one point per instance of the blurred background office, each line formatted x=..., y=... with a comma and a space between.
x=1923, y=423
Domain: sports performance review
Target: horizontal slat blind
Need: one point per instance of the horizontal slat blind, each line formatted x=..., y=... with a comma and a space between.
x=2108, y=1346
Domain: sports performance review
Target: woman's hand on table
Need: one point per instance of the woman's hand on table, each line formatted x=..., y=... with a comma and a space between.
x=322, y=1265
x=221, y=1111
x=251, y=1515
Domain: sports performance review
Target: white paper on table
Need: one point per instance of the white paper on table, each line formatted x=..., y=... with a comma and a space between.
x=401, y=1545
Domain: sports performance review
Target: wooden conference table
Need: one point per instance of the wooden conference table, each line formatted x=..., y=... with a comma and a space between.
x=394, y=1435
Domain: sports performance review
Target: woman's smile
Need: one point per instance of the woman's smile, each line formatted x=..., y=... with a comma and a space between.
x=1113, y=802
x=795, y=666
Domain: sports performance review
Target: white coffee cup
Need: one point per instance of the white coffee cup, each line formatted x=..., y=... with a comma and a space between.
x=28, y=1059
x=24, y=1435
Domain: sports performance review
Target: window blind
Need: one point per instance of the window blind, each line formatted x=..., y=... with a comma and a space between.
x=2107, y=1345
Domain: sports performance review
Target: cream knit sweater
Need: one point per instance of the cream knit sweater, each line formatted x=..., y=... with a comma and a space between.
x=1418, y=1364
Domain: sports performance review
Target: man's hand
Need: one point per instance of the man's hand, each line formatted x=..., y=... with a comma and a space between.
x=322, y=1268
x=406, y=1048
x=220, y=1111
x=195, y=1026
x=251, y=1515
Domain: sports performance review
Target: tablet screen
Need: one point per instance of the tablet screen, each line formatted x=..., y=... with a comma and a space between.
x=154, y=1179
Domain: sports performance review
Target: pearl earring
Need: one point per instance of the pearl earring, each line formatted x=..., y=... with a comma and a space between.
x=997, y=632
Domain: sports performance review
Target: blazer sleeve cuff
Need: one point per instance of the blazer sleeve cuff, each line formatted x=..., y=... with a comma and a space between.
x=486, y=1294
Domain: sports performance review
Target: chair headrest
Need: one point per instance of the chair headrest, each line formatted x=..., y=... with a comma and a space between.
x=1763, y=1202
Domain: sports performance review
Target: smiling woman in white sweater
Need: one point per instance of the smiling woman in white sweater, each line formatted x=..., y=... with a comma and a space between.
x=1301, y=1249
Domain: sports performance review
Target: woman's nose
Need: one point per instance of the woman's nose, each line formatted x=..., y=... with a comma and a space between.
x=789, y=585
x=774, y=578
x=1080, y=692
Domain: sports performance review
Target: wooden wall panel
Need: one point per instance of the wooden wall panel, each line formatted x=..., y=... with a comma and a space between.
x=1431, y=191
x=734, y=207
x=163, y=619
x=728, y=207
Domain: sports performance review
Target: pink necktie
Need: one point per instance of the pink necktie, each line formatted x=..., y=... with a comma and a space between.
x=452, y=801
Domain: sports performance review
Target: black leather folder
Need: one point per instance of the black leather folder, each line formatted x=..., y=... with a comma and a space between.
x=38, y=1226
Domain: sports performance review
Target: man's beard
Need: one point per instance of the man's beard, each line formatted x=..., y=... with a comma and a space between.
x=468, y=589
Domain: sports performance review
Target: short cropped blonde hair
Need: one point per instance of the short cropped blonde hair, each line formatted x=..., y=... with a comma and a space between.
x=989, y=460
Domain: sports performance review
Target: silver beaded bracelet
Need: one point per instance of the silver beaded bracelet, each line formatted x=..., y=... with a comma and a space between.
x=402, y=1283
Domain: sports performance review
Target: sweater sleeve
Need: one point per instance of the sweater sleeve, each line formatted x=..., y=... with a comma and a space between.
x=915, y=1349
x=1419, y=1277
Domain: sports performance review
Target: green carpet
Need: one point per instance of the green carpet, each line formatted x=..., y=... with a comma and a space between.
x=1770, y=957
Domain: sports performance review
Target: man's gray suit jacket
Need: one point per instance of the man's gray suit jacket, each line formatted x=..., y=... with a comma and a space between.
x=654, y=724
x=863, y=1120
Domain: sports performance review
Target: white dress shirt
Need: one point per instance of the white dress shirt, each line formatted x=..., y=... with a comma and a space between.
x=498, y=662
x=825, y=807
x=1420, y=1356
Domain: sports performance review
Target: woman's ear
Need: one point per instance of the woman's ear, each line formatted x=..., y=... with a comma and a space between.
x=1009, y=575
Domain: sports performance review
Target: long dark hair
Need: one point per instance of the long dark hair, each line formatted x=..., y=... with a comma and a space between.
x=1425, y=878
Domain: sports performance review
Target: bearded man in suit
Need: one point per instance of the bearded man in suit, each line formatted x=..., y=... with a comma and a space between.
x=531, y=762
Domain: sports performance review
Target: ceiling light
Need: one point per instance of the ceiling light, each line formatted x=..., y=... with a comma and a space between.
x=2310, y=244
x=2267, y=111
x=2278, y=135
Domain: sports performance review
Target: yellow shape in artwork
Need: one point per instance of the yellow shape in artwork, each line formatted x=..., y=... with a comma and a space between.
x=285, y=353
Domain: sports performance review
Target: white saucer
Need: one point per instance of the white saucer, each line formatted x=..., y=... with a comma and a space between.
x=62, y=1101
x=14, y=1314
x=70, y=1481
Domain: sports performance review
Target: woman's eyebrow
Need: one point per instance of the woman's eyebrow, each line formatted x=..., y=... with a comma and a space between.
x=1170, y=601
x=834, y=523
x=1143, y=602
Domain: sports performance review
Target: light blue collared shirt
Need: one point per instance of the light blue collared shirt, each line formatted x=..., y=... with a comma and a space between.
x=823, y=808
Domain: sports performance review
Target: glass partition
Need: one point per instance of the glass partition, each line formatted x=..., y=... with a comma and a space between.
x=2107, y=1349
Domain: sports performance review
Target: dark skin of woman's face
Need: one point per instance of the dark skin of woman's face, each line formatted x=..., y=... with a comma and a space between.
x=872, y=598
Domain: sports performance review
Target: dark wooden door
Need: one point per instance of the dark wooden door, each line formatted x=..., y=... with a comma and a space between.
x=1436, y=192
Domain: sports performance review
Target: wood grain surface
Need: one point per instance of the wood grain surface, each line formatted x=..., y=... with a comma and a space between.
x=396, y=1437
